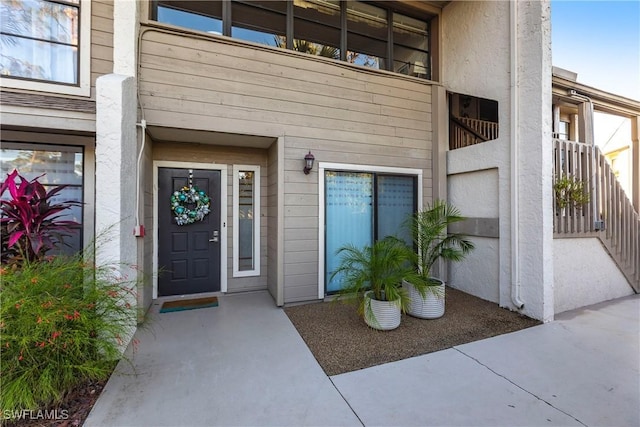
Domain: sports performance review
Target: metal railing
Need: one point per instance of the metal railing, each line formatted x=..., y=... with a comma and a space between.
x=608, y=214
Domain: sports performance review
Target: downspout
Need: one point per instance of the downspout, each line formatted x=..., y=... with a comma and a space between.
x=139, y=228
x=515, y=207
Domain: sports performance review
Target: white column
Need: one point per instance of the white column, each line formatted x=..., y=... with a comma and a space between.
x=116, y=143
x=585, y=122
x=534, y=192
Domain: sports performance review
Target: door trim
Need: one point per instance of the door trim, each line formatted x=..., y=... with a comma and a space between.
x=347, y=167
x=223, y=215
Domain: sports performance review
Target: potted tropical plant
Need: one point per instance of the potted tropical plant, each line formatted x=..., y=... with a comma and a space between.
x=372, y=276
x=431, y=243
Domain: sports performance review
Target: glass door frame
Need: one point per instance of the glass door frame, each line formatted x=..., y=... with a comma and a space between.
x=322, y=167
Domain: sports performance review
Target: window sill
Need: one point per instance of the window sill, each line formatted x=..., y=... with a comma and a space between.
x=83, y=90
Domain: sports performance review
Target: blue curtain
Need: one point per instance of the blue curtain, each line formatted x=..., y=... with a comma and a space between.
x=396, y=196
x=349, y=217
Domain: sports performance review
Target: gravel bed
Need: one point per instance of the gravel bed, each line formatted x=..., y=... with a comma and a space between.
x=341, y=341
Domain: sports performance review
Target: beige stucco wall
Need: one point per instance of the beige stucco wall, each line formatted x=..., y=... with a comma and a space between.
x=486, y=35
x=584, y=274
x=477, y=60
x=341, y=113
x=476, y=193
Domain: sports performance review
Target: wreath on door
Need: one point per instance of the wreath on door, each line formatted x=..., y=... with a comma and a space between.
x=190, y=204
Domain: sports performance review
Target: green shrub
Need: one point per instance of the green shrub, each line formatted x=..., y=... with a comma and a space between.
x=571, y=192
x=62, y=322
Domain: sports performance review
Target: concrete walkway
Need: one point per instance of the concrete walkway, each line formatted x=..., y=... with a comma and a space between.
x=243, y=363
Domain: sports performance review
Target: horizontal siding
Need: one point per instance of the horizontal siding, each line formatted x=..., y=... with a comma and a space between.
x=292, y=234
x=341, y=113
x=101, y=40
x=277, y=66
x=300, y=293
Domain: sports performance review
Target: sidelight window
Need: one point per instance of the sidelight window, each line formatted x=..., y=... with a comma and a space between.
x=246, y=221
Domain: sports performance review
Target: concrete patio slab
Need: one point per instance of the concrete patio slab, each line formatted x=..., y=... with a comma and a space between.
x=241, y=363
x=586, y=363
x=445, y=388
x=582, y=369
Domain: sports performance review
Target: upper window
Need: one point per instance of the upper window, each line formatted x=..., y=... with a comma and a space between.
x=370, y=35
x=410, y=46
x=563, y=130
x=366, y=35
x=198, y=15
x=263, y=22
x=41, y=42
x=316, y=27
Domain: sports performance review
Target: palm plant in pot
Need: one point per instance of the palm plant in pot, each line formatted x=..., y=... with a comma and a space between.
x=372, y=276
x=429, y=230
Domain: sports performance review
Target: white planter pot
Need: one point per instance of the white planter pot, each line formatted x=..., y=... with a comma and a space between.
x=381, y=315
x=429, y=307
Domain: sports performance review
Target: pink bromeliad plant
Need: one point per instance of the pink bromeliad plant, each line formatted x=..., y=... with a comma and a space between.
x=30, y=220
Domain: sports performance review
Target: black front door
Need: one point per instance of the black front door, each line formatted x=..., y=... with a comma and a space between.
x=188, y=254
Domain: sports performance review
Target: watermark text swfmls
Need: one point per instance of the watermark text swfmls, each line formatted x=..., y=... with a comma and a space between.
x=27, y=414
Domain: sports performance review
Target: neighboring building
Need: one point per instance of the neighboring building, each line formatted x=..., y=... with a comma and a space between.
x=612, y=125
x=597, y=141
x=237, y=93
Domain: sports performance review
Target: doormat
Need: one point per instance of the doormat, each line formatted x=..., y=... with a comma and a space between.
x=188, y=304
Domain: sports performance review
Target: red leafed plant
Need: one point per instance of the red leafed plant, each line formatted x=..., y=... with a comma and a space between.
x=30, y=220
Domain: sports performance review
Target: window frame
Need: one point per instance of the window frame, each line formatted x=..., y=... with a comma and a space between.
x=83, y=87
x=13, y=144
x=322, y=167
x=236, y=221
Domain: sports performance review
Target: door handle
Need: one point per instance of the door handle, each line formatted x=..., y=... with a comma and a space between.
x=214, y=239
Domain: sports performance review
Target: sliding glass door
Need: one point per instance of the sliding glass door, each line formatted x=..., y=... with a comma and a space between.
x=361, y=207
x=349, y=216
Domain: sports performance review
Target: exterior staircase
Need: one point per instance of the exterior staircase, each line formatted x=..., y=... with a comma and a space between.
x=608, y=215
x=465, y=131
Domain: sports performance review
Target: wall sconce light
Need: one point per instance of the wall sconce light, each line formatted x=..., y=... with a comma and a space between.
x=308, y=163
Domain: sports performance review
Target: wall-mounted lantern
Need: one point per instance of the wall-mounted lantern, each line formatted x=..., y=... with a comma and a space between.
x=308, y=163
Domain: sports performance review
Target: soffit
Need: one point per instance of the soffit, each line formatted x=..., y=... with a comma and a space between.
x=421, y=6
x=603, y=101
x=168, y=134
